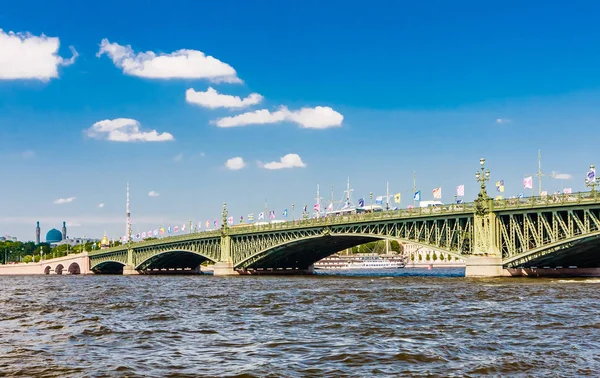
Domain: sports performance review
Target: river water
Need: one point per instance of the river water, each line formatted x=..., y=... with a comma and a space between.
x=410, y=322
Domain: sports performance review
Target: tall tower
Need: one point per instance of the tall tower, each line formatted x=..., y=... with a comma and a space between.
x=37, y=233
x=64, y=231
x=128, y=219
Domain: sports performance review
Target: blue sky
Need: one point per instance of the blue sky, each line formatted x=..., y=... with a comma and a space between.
x=399, y=87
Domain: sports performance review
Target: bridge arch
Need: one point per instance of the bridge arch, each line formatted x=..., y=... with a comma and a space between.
x=171, y=259
x=47, y=269
x=108, y=267
x=74, y=268
x=59, y=269
x=582, y=251
x=305, y=251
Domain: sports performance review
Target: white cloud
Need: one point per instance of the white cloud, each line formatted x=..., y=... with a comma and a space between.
x=503, y=120
x=61, y=201
x=288, y=161
x=561, y=176
x=152, y=193
x=178, y=157
x=28, y=154
x=189, y=64
x=26, y=56
x=213, y=99
x=125, y=130
x=235, y=163
x=101, y=205
x=320, y=117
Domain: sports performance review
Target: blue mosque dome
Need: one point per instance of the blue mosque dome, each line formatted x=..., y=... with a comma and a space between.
x=53, y=236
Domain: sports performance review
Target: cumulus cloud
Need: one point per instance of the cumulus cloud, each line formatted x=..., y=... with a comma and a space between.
x=188, y=64
x=61, y=201
x=319, y=117
x=26, y=56
x=235, y=163
x=288, y=161
x=152, y=193
x=100, y=205
x=213, y=99
x=561, y=176
x=503, y=120
x=125, y=130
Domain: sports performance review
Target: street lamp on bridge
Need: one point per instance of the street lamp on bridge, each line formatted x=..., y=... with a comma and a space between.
x=482, y=177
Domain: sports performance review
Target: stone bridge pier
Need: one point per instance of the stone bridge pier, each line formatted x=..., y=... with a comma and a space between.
x=70, y=264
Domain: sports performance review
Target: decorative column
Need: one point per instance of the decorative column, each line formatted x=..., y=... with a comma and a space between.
x=224, y=267
x=486, y=260
x=129, y=268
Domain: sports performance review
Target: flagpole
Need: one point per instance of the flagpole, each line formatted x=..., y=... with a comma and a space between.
x=387, y=196
x=266, y=210
x=414, y=188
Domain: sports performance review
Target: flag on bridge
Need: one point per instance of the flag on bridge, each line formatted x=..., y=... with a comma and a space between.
x=272, y=214
x=500, y=186
x=520, y=195
x=149, y=234
x=417, y=196
x=317, y=207
x=437, y=193
x=528, y=182
x=199, y=225
x=251, y=217
x=284, y=213
x=169, y=230
x=143, y=235
x=591, y=176
x=261, y=216
x=207, y=224
x=460, y=191
x=397, y=197
x=241, y=219
x=230, y=220
x=305, y=208
x=330, y=207
x=183, y=227
x=379, y=200
x=216, y=223
x=162, y=230
x=176, y=229
x=567, y=191
x=155, y=233
x=361, y=202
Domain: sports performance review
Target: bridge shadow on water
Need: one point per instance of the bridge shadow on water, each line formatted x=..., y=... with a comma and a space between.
x=403, y=272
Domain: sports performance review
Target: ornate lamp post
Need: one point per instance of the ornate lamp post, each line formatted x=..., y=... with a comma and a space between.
x=224, y=213
x=591, y=180
x=481, y=177
x=371, y=197
x=293, y=214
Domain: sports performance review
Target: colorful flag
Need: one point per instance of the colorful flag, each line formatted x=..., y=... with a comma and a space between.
x=459, y=201
x=528, y=182
x=437, y=193
x=169, y=230
x=397, y=197
x=285, y=213
x=460, y=191
x=347, y=204
x=520, y=195
x=230, y=220
x=305, y=207
x=272, y=214
x=183, y=227
x=143, y=235
x=330, y=207
x=261, y=215
x=567, y=191
x=149, y=233
x=500, y=186
x=137, y=236
x=361, y=202
x=241, y=219
x=251, y=217
x=216, y=223
x=417, y=196
x=162, y=230
x=591, y=176
x=379, y=200
x=155, y=233
x=176, y=229
x=317, y=207
x=199, y=225
x=207, y=224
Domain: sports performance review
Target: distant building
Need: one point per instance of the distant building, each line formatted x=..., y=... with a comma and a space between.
x=54, y=236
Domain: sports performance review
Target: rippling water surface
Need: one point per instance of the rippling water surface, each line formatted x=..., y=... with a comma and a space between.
x=397, y=323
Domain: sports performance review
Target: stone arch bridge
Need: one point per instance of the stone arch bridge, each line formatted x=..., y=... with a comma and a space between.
x=491, y=235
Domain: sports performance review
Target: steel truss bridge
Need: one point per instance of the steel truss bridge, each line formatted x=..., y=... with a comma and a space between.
x=561, y=230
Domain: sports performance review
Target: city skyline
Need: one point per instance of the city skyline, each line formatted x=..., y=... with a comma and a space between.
x=291, y=105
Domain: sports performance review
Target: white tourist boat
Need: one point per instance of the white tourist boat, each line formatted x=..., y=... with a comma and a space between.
x=336, y=262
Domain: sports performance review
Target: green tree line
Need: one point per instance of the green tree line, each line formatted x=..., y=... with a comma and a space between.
x=11, y=251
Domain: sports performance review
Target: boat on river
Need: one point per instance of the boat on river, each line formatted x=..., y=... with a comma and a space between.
x=336, y=261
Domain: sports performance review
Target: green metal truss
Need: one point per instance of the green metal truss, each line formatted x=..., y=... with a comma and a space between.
x=519, y=230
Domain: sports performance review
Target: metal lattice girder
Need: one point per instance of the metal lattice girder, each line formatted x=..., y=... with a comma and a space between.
x=519, y=230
